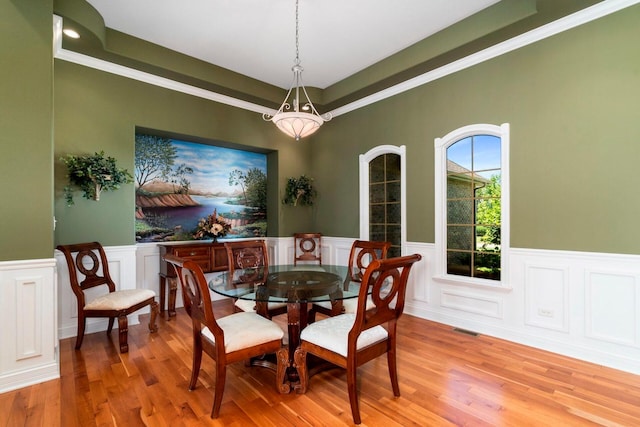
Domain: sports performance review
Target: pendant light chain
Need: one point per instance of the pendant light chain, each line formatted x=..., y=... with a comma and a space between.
x=297, y=36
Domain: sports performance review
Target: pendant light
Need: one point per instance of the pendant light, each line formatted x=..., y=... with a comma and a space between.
x=297, y=117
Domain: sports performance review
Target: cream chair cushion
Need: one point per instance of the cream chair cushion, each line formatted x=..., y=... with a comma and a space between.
x=247, y=329
x=250, y=305
x=120, y=300
x=332, y=333
x=350, y=304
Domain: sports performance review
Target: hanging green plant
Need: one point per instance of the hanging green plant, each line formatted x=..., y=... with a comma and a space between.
x=299, y=191
x=92, y=175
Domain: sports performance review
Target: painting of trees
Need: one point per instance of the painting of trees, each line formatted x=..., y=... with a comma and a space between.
x=154, y=158
x=179, y=182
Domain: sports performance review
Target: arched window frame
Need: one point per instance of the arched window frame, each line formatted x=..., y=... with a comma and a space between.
x=441, y=145
x=365, y=159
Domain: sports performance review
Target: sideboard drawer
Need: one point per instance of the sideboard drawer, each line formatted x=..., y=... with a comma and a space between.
x=192, y=252
x=210, y=256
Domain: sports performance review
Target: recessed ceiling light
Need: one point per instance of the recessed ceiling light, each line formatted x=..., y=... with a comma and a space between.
x=71, y=33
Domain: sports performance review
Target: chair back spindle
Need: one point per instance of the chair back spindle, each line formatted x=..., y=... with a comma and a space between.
x=307, y=248
x=384, y=283
x=362, y=253
x=249, y=265
x=248, y=261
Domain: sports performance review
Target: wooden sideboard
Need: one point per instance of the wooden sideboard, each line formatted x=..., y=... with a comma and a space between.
x=209, y=256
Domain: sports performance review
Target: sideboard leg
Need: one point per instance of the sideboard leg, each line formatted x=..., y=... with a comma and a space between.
x=173, y=288
x=163, y=293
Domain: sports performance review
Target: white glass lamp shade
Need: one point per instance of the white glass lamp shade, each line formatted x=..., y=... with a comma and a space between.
x=297, y=124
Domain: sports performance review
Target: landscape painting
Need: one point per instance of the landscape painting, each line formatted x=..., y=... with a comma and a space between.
x=181, y=185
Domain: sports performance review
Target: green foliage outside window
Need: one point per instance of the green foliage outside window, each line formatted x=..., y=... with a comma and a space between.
x=489, y=212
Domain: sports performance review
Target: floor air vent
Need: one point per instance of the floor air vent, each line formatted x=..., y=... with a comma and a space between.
x=466, y=332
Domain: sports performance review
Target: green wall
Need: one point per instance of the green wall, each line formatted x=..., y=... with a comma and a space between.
x=97, y=111
x=572, y=102
x=26, y=170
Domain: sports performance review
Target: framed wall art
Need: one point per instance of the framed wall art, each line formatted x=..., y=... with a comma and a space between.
x=188, y=190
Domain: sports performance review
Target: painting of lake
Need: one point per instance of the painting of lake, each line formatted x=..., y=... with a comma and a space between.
x=179, y=183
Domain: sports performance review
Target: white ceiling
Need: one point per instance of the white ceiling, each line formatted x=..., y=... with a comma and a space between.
x=337, y=38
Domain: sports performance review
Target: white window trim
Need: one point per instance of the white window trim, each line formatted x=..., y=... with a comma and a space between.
x=441, y=145
x=365, y=159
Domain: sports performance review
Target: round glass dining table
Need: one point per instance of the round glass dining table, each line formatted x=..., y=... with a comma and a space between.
x=293, y=285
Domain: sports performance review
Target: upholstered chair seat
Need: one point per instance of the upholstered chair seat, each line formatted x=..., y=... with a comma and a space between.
x=120, y=300
x=242, y=330
x=332, y=333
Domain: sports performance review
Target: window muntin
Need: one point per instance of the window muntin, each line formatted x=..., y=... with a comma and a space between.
x=473, y=207
x=384, y=201
x=383, y=189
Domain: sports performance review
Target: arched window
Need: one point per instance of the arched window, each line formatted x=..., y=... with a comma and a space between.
x=472, y=204
x=382, y=196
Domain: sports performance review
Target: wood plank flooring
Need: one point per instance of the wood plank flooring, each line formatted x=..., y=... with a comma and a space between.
x=446, y=378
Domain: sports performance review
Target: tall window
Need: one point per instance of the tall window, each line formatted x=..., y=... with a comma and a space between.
x=382, y=196
x=384, y=201
x=472, y=164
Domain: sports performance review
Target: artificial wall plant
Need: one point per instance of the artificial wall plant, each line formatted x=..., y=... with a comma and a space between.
x=299, y=191
x=93, y=174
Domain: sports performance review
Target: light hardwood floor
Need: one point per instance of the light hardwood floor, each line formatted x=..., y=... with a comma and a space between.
x=446, y=378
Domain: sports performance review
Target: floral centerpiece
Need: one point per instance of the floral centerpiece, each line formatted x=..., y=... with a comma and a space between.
x=212, y=227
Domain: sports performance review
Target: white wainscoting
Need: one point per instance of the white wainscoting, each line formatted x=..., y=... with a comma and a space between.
x=583, y=305
x=28, y=330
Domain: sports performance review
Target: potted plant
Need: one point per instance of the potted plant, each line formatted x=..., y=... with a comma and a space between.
x=299, y=191
x=93, y=174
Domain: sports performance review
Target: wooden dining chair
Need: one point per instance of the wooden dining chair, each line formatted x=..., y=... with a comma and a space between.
x=307, y=248
x=249, y=264
x=229, y=339
x=362, y=253
x=352, y=339
x=88, y=268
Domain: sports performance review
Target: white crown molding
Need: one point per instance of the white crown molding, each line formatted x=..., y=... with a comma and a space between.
x=120, y=70
x=568, y=22
x=589, y=14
